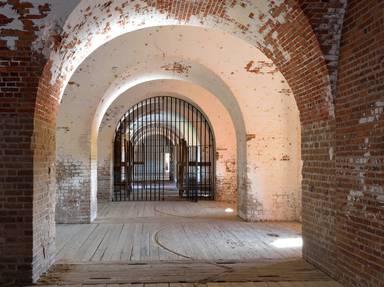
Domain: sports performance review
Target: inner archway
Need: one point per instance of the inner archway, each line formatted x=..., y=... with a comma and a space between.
x=164, y=148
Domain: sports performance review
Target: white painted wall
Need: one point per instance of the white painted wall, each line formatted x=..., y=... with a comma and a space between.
x=254, y=93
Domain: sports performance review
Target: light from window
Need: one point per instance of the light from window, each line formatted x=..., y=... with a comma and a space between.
x=167, y=158
x=288, y=242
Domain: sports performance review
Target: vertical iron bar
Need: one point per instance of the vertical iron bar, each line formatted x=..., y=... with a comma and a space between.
x=142, y=162
x=160, y=155
x=127, y=161
x=201, y=156
x=167, y=119
x=163, y=156
x=179, y=128
x=186, y=195
x=206, y=151
x=209, y=160
x=165, y=126
x=192, y=154
x=151, y=149
x=126, y=157
x=157, y=149
x=188, y=153
x=148, y=132
x=205, y=159
x=131, y=156
x=212, y=167
x=146, y=148
x=194, y=120
x=171, y=131
x=120, y=160
x=135, y=152
x=123, y=160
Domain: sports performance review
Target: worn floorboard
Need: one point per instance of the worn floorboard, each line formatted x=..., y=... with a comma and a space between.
x=284, y=273
x=146, y=231
x=180, y=244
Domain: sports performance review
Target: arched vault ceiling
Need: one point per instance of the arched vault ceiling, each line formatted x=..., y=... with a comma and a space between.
x=253, y=92
x=94, y=22
x=205, y=57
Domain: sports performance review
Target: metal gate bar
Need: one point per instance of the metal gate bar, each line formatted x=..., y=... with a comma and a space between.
x=164, y=148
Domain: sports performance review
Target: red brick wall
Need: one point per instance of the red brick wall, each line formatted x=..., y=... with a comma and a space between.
x=44, y=187
x=360, y=146
x=326, y=18
x=16, y=164
x=306, y=73
x=20, y=71
x=318, y=145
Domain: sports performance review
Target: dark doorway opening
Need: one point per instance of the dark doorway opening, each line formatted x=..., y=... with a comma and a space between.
x=164, y=148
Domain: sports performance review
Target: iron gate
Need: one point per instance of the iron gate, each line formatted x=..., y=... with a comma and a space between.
x=164, y=148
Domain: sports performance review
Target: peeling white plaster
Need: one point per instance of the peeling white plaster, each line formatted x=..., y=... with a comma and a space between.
x=330, y=98
x=10, y=41
x=52, y=24
x=374, y=115
x=378, y=192
x=15, y=24
x=380, y=198
x=331, y=153
x=355, y=195
x=11, y=13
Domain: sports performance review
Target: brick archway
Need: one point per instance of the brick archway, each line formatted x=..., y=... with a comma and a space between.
x=285, y=35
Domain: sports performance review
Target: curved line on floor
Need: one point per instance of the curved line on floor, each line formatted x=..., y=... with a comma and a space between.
x=157, y=241
x=227, y=269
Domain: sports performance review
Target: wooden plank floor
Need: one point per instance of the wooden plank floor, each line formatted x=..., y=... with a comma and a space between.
x=284, y=273
x=179, y=244
x=157, y=231
x=227, y=284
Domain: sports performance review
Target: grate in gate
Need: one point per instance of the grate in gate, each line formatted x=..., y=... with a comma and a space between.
x=164, y=148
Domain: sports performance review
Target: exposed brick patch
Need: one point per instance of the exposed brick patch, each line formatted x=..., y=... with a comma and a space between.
x=261, y=67
x=177, y=67
x=73, y=204
x=250, y=68
x=226, y=180
x=250, y=137
x=104, y=181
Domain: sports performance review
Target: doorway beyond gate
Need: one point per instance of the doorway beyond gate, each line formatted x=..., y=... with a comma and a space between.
x=164, y=148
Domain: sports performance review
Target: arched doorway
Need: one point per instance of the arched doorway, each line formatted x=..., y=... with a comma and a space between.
x=164, y=148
